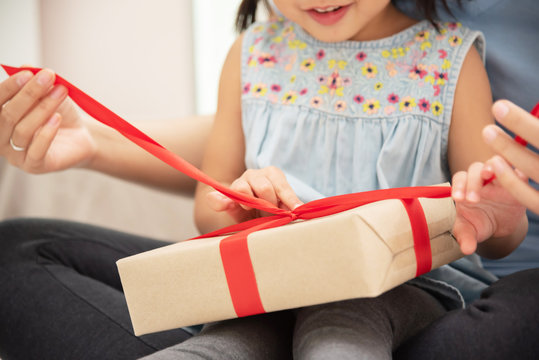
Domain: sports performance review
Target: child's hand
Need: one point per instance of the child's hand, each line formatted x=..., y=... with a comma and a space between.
x=482, y=211
x=268, y=183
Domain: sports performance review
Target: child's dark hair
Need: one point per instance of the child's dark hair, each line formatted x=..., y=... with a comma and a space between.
x=428, y=8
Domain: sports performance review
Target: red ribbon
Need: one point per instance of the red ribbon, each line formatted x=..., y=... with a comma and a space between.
x=234, y=249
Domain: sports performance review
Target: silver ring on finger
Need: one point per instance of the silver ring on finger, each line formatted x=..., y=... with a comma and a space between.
x=15, y=147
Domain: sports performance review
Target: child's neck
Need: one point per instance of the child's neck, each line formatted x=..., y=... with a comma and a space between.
x=387, y=23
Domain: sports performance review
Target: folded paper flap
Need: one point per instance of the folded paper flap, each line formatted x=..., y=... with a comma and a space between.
x=394, y=225
x=166, y=284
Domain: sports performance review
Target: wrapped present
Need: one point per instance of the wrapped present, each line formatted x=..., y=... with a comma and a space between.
x=360, y=252
x=343, y=247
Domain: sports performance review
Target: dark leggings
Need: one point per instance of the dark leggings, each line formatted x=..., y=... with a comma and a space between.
x=61, y=297
x=502, y=324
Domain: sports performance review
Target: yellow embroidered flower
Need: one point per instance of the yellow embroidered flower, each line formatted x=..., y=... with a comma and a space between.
x=297, y=44
x=437, y=108
x=422, y=36
x=425, y=45
x=292, y=78
x=290, y=97
x=378, y=86
x=429, y=79
x=369, y=70
x=341, y=64
x=371, y=106
x=258, y=28
x=407, y=104
x=259, y=89
x=287, y=30
x=455, y=40
x=386, y=53
x=446, y=65
x=307, y=65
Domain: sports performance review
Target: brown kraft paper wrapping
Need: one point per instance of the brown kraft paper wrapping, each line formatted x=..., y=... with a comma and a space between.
x=361, y=252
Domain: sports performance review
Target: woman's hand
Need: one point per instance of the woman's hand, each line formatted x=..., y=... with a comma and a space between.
x=524, y=160
x=268, y=183
x=41, y=130
x=486, y=212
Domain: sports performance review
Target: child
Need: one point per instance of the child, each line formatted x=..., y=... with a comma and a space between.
x=340, y=97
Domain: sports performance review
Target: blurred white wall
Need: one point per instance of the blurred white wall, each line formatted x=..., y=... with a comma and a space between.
x=134, y=56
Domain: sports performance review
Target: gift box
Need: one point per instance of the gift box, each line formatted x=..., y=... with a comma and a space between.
x=361, y=252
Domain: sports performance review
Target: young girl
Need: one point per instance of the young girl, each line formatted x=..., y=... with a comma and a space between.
x=335, y=97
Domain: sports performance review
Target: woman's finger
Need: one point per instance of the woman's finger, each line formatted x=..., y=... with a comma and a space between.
x=474, y=182
x=10, y=86
x=24, y=131
x=517, y=120
x=458, y=186
x=22, y=102
x=519, y=156
x=38, y=149
x=512, y=182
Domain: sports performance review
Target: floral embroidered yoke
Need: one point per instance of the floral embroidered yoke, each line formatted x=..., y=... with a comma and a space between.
x=351, y=116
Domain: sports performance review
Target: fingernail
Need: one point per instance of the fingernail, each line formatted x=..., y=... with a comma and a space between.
x=500, y=109
x=44, y=77
x=472, y=196
x=54, y=120
x=23, y=77
x=457, y=194
x=498, y=165
x=57, y=92
x=489, y=134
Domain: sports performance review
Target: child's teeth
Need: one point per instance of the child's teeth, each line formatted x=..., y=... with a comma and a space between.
x=333, y=8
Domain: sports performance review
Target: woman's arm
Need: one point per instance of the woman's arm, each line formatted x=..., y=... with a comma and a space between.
x=55, y=135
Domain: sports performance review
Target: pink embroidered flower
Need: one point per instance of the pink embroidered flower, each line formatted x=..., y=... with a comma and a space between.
x=303, y=91
x=424, y=105
x=440, y=77
x=320, y=54
x=436, y=90
x=334, y=81
x=393, y=98
x=358, y=99
x=275, y=87
x=418, y=71
x=388, y=110
x=361, y=56
x=443, y=53
x=321, y=79
x=390, y=67
x=267, y=60
x=246, y=88
x=340, y=106
x=316, y=102
x=453, y=25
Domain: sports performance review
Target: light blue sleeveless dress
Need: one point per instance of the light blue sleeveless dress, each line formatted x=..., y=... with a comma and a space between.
x=352, y=116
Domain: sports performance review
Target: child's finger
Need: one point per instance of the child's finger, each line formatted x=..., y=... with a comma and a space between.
x=262, y=188
x=218, y=201
x=474, y=182
x=511, y=181
x=284, y=191
x=241, y=185
x=458, y=186
x=465, y=234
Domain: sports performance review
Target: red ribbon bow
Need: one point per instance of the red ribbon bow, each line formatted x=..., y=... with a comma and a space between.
x=234, y=249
